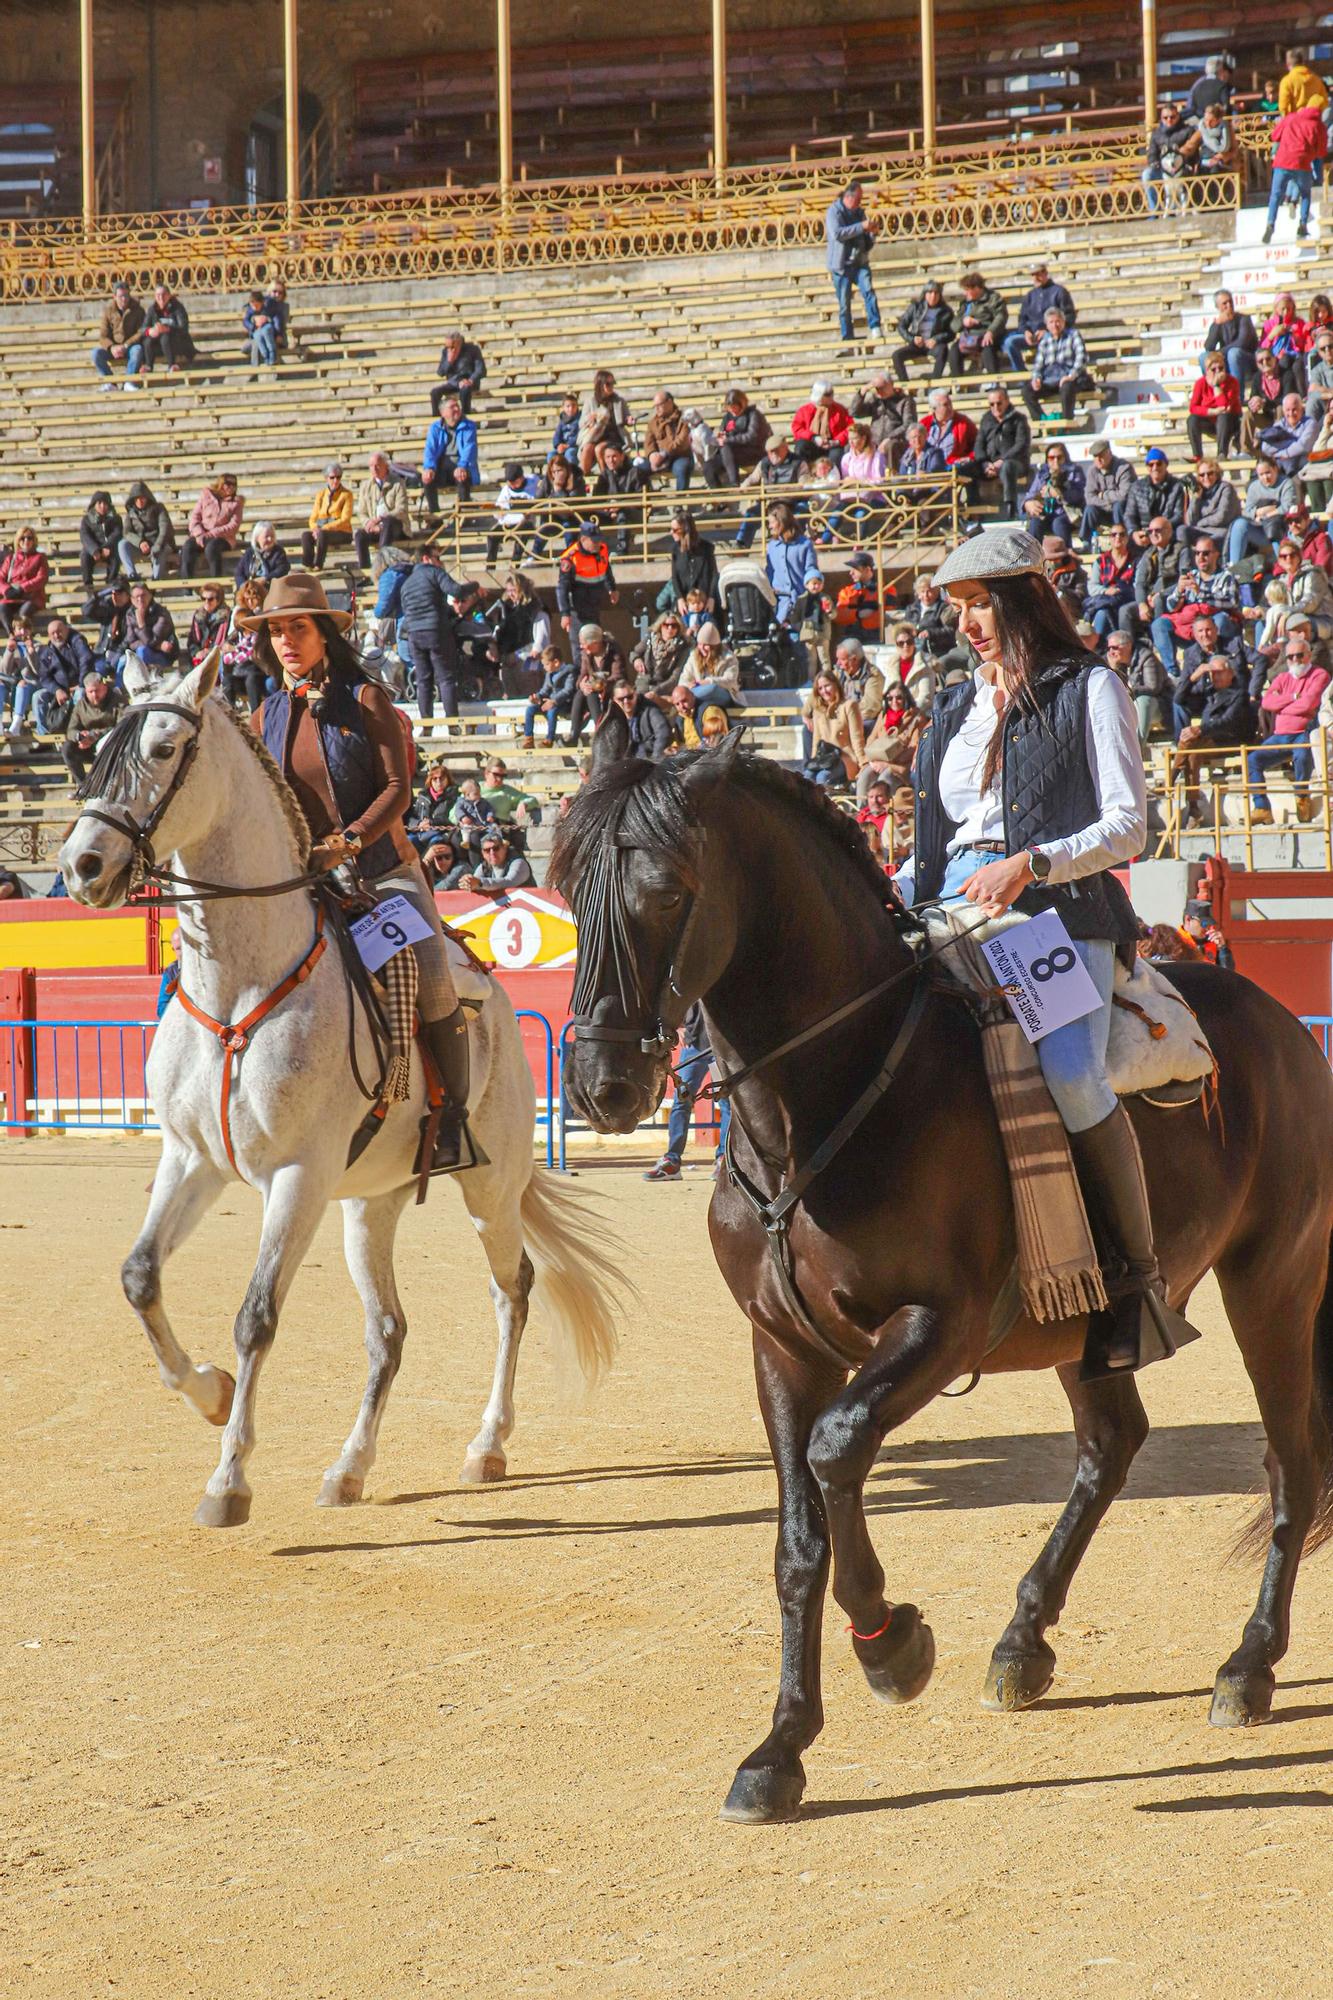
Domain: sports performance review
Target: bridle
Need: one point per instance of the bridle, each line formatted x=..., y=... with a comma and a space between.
x=145, y=867
x=604, y=935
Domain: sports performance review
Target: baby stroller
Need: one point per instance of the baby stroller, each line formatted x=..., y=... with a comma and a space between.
x=769, y=655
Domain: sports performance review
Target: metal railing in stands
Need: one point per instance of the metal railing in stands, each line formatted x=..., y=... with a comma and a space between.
x=1321, y=1027
x=706, y=1116
x=53, y=1080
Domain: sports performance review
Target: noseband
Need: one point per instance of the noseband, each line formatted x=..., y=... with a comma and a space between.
x=605, y=936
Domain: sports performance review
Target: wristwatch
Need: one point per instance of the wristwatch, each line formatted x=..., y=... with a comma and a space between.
x=1040, y=864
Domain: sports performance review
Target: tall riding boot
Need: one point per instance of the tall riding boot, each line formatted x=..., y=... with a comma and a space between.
x=1139, y=1326
x=448, y=1044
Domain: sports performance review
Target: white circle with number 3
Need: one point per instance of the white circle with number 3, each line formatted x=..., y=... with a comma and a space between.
x=515, y=938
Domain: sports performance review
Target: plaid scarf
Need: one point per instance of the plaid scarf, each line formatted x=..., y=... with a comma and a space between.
x=399, y=979
x=1059, y=1275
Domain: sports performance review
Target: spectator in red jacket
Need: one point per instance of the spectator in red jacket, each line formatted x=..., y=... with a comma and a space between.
x=1313, y=537
x=819, y=428
x=1292, y=700
x=24, y=574
x=1300, y=139
x=948, y=429
x=1214, y=408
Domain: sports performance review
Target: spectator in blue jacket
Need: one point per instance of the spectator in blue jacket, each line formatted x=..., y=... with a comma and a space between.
x=553, y=698
x=789, y=560
x=850, y=235
x=450, y=457
x=61, y=666
x=565, y=437
x=265, y=558
x=1020, y=346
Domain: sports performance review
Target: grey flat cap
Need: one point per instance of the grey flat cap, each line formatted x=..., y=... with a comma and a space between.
x=994, y=552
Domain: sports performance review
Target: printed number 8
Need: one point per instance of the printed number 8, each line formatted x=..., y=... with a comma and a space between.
x=395, y=934
x=1060, y=960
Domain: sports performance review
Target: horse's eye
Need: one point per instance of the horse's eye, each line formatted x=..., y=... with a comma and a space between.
x=165, y=752
x=671, y=899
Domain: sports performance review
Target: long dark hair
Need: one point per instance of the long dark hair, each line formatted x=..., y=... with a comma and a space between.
x=1034, y=631
x=343, y=659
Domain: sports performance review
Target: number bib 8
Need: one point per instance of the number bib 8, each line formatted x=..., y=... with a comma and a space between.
x=1045, y=981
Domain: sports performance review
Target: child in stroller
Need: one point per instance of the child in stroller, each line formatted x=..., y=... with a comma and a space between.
x=770, y=655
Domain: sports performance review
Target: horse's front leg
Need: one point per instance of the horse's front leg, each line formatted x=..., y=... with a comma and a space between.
x=1110, y=1424
x=769, y=1784
x=293, y=1203
x=914, y=1359
x=185, y=1185
x=369, y=1228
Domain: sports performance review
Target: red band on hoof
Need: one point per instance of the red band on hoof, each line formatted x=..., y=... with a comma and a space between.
x=865, y=1637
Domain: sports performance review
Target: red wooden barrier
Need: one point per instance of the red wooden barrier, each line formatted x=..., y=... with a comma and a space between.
x=18, y=1002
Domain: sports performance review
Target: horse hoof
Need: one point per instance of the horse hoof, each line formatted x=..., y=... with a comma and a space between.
x=1242, y=1699
x=224, y=1390
x=899, y=1663
x=222, y=1510
x=341, y=1489
x=1016, y=1680
x=482, y=1468
x=764, y=1797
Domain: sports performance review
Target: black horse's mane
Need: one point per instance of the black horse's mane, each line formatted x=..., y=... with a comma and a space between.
x=637, y=804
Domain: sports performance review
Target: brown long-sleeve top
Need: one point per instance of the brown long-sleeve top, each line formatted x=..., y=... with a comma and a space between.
x=307, y=772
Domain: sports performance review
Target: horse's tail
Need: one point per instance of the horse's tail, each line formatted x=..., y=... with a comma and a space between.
x=1321, y=1530
x=578, y=1286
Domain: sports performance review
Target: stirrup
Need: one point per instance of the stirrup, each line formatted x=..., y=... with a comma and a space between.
x=453, y=1147
x=1137, y=1328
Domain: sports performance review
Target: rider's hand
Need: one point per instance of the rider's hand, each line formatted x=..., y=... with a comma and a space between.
x=999, y=883
x=331, y=852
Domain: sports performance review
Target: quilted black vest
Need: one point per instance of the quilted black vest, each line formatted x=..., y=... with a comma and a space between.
x=1048, y=793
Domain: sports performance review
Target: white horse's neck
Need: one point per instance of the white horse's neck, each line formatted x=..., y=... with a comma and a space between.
x=233, y=953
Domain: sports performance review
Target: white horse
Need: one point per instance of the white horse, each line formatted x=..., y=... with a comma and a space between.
x=189, y=773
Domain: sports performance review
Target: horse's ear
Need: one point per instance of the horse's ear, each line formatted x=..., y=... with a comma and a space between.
x=198, y=684
x=716, y=764
x=611, y=741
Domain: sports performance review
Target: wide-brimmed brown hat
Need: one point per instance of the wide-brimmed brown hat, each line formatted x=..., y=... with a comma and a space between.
x=299, y=595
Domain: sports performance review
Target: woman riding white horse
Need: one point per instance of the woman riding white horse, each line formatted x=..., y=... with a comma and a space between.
x=343, y=748
x=258, y=1072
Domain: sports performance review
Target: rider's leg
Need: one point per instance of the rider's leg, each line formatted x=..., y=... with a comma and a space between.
x=1138, y=1327
x=443, y=1021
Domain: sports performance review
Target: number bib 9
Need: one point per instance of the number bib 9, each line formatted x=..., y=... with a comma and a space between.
x=390, y=927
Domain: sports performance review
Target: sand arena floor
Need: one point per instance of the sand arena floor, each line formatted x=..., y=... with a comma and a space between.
x=474, y=1742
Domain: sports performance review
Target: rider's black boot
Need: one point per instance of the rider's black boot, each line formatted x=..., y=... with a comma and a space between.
x=454, y=1144
x=1138, y=1326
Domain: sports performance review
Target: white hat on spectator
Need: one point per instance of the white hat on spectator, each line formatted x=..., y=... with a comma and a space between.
x=995, y=552
x=818, y=389
x=708, y=635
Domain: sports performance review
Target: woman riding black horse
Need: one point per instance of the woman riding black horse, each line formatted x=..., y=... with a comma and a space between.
x=1029, y=792
x=344, y=749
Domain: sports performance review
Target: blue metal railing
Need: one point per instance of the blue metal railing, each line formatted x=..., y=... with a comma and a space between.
x=88, y=1076
x=710, y=1122
x=1321, y=1027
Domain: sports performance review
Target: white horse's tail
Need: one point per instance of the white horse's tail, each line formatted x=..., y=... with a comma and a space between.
x=578, y=1286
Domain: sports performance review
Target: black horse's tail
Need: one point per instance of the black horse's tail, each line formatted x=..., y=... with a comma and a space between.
x=1321, y=1530
x=1253, y=1542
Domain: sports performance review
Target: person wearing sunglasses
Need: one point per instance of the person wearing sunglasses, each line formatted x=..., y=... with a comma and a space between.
x=1292, y=700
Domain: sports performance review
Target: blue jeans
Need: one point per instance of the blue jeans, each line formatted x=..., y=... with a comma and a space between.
x=1244, y=535
x=1015, y=353
x=1095, y=517
x=714, y=694
x=692, y=1072
x=532, y=714
x=264, y=347
x=1072, y=1058
x=842, y=286
x=133, y=359
x=1164, y=642
x=1288, y=181
x=1276, y=751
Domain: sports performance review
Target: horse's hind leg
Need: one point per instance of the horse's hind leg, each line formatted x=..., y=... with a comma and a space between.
x=293, y=1203
x=769, y=1784
x=369, y=1228
x=494, y=1206
x=185, y=1185
x=1110, y=1426
x=1272, y=1319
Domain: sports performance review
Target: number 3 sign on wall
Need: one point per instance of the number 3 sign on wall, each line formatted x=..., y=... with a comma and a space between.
x=514, y=938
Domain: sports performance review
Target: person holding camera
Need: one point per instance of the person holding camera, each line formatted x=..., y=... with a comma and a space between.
x=850, y=235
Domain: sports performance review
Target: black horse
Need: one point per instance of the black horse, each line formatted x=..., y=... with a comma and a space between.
x=722, y=877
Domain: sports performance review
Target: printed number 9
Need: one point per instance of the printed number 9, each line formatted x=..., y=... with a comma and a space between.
x=1060, y=960
x=395, y=934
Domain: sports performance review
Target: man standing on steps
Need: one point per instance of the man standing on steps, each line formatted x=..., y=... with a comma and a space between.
x=1301, y=139
x=850, y=236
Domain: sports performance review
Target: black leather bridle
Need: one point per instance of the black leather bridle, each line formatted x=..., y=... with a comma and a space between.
x=604, y=935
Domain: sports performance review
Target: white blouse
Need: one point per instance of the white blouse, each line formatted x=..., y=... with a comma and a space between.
x=1114, y=758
